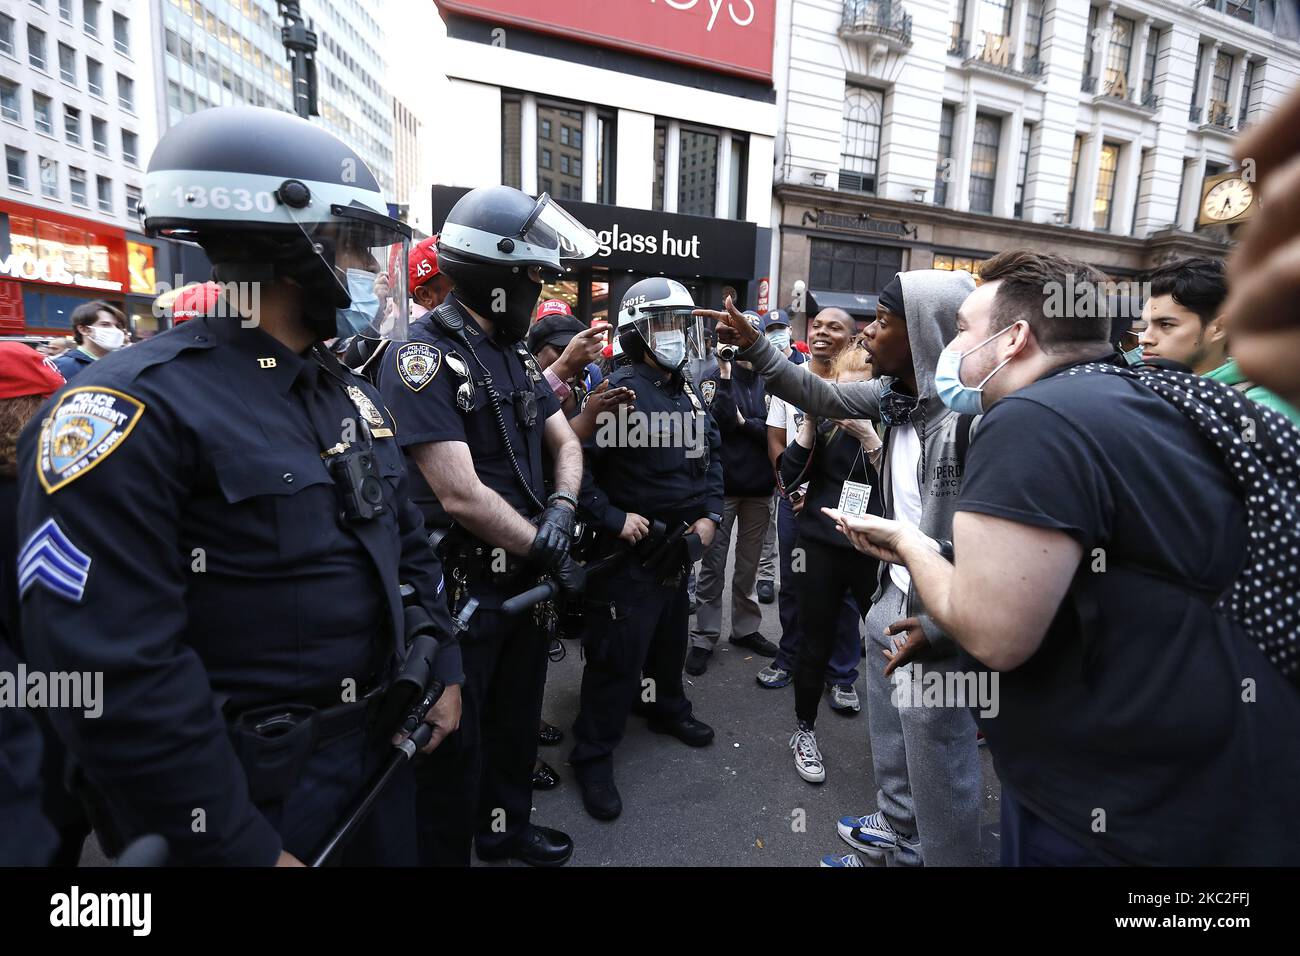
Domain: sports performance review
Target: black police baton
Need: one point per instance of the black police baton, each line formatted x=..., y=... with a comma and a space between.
x=416, y=675
x=550, y=588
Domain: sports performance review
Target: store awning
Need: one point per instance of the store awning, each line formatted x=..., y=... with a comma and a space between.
x=860, y=305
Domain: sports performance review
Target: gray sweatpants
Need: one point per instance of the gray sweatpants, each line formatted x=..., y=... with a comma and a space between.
x=925, y=759
x=749, y=517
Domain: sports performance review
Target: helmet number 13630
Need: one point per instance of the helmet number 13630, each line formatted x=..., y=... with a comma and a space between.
x=219, y=197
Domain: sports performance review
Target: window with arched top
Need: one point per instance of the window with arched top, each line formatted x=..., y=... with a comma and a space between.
x=860, y=152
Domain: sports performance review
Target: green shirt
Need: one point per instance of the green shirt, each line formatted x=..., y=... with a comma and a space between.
x=1229, y=374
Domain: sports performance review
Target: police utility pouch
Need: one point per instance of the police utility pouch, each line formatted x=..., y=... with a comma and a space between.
x=273, y=744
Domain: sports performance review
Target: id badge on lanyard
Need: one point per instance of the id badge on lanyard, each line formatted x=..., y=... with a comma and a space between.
x=854, y=498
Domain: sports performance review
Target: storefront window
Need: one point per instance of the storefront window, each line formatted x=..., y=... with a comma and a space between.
x=607, y=136
x=661, y=149
x=563, y=177
x=969, y=264
x=739, y=183
x=697, y=175
x=852, y=266
x=511, y=155
x=600, y=296
x=1104, y=201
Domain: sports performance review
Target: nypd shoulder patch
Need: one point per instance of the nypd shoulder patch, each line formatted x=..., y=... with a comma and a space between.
x=49, y=559
x=707, y=391
x=417, y=364
x=85, y=427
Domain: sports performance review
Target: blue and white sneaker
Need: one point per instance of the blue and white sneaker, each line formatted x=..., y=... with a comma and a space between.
x=872, y=835
x=773, y=676
x=851, y=859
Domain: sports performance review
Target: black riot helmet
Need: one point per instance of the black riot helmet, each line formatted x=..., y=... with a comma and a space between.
x=269, y=195
x=498, y=243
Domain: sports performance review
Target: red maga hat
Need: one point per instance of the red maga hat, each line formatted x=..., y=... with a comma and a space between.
x=25, y=371
x=422, y=263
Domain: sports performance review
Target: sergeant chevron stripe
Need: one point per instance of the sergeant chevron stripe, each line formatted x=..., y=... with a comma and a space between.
x=50, y=559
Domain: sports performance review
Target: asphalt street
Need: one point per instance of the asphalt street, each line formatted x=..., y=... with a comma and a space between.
x=737, y=802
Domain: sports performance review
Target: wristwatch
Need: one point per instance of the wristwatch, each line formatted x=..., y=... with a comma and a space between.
x=715, y=518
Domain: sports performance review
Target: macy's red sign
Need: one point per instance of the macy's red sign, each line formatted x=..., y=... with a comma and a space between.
x=731, y=36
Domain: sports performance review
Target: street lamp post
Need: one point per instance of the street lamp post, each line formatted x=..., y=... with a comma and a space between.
x=300, y=44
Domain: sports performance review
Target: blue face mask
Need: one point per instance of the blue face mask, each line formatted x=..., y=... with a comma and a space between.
x=361, y=314
x=963, y=399
x=1133, y=356
x=780, y=339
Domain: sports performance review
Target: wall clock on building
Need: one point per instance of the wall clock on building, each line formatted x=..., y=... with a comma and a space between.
x=1226, y=199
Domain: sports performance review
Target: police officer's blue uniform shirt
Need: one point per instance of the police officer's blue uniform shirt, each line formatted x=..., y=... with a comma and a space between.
x=181, y=533
x=420, y=381
x=655, y=482
x=73, y=362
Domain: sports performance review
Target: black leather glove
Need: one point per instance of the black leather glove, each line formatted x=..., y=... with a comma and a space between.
x=554, y=534
x=570, y=576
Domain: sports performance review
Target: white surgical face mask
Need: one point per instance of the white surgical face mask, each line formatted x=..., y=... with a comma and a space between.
x=110, y=339
x=670, y=348
x=780, y=339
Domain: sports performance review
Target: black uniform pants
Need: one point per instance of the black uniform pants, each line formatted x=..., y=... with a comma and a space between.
x=477, y=786
x=646, y=634
x=828, y=572
x=332, y=780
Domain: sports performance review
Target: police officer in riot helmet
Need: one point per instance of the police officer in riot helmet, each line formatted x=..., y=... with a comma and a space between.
x=658, y=501
x=480, y=424
x=218, y=521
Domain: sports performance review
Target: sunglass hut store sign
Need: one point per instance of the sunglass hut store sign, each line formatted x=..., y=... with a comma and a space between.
x=664, y=243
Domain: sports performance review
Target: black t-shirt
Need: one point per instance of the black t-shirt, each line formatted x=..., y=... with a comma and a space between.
x=1130, y=716
x=838, y=457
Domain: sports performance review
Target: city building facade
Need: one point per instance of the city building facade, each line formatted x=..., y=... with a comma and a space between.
x=76, y=98
x=935, y=133
x=653, y=123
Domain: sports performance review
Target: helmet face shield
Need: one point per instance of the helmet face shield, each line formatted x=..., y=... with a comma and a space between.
x=551, y=227
x=366, y=254
x=674, y=335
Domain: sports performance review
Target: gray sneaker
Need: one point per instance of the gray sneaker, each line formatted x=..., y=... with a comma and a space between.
x=844, y=699
x=773, y=676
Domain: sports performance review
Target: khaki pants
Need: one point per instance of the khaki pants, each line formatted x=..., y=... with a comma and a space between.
x=750, y=516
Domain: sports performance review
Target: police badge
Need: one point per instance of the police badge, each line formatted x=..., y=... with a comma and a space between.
x=365, y=406
x=417, y=364
x=707, y=390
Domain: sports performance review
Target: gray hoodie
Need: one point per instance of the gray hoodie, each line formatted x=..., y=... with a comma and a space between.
x=931, y=298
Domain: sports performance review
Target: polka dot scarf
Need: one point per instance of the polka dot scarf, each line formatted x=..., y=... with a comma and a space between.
x=1261, y=449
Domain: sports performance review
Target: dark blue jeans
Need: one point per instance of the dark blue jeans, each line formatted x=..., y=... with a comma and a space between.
x=843, y=667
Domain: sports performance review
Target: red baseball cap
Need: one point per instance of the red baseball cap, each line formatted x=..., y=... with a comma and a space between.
x=25, y=371
x=422, y=263
x=552, y=307
x=195, y=301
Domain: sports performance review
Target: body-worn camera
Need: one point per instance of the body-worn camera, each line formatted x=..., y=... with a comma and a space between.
x=361, y=492
x=728, y=353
